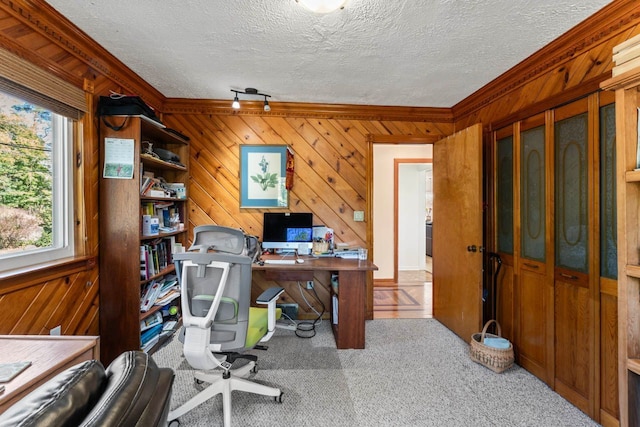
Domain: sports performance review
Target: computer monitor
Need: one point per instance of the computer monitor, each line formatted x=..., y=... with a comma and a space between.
x=287, y=231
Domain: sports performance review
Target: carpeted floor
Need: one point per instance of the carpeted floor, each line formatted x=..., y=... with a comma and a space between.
x=413, y=372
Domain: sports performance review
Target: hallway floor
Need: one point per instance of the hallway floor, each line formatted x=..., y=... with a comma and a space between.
x=410, y=298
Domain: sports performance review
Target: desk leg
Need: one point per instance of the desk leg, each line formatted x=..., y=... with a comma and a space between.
x=349, y=332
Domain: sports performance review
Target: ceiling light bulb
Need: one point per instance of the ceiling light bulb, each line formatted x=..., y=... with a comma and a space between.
x=236, y=103
x=267, y=107
x=322, y=6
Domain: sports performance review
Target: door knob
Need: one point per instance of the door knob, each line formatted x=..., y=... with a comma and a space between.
x=472, y=248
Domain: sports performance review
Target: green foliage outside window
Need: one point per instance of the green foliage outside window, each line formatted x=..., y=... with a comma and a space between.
x=26, y=179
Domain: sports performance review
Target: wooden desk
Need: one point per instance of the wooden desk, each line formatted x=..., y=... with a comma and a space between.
x=351, y=295
x=49, y=355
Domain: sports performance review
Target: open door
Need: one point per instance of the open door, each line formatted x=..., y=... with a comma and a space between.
x=457, y=232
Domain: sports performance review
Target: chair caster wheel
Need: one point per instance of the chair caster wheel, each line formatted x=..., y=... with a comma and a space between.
x=279, y=398
x=174, y=423
x=198, y=381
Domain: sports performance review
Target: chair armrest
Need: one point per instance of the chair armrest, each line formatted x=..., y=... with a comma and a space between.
x=269, y=297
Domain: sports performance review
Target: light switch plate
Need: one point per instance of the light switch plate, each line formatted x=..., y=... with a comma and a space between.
x=358, y=215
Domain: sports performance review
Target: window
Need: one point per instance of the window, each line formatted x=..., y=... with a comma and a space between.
x=36, y=185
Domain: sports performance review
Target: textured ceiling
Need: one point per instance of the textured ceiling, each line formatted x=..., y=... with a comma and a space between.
x=429, y=53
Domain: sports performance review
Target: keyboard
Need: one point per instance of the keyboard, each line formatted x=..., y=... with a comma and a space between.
x=279, y=261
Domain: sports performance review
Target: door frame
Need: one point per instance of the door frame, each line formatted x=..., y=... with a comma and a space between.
x=396, y=205
x=383, y=139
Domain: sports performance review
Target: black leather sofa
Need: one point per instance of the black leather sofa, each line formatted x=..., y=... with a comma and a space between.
x=132, y=391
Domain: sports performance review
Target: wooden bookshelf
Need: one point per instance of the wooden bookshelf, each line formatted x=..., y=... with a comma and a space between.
x=626, y=88
x=121, y=231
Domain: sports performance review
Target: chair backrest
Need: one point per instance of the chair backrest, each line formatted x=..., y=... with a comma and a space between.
x=215, y=284
x=225, y=239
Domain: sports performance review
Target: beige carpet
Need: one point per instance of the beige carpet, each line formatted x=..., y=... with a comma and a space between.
x=412, y=373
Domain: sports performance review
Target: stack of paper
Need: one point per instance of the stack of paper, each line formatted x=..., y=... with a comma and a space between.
x=626, y=56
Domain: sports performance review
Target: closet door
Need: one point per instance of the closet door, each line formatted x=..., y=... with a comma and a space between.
x=609, y=405
x=505, y=182
x=534, y=289
x=574, y=293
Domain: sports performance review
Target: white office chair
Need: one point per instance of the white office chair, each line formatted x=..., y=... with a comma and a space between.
x=219, y=324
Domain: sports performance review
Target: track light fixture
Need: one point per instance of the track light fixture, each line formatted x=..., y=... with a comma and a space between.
x=253, y=92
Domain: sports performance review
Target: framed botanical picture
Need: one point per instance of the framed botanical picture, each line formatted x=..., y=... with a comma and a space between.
x=262, y=176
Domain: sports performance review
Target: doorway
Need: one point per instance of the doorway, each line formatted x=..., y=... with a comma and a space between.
x=413, y=205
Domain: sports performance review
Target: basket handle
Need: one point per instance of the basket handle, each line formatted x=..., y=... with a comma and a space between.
x=486, y=326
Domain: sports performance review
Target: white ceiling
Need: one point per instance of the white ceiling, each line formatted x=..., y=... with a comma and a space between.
x=429, y=53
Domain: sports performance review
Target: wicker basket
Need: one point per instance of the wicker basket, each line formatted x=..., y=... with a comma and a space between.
x=496, y=359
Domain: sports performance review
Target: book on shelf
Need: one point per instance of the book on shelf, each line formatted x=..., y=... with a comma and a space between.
x=169, y=325
x=168, y=297
x=151, y=292
x=149, y=345
x=169, y=284
x=167, y=216
x=150, y=337
x=156, y=256
x=144, y=272
x=150, y=333
x=151, y=321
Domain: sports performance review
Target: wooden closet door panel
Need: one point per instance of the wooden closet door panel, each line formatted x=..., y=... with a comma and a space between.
x=574, y=305
x=609, y=403
x=534, y=290
x=573, y=334
x=505, y=235
x=535, y=302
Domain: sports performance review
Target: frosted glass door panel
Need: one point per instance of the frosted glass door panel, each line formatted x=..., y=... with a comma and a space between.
x=532, y=190
x=505, y=194
x=571, y=216
x=608, y=223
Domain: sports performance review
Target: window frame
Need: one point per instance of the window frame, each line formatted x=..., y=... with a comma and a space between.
x=63, y=193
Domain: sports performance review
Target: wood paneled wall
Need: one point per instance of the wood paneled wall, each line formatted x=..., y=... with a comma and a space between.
x=66, y=294
x=331, y=157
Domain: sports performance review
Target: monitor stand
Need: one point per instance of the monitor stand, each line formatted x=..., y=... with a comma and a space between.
x=284, y=251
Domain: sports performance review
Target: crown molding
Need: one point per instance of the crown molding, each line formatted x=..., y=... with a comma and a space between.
x=598, y=28
x=299, y=109
x=44, y=20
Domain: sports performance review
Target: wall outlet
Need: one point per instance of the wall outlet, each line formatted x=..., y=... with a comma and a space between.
x=358, y=216
x=56, y=331
x=309, y=284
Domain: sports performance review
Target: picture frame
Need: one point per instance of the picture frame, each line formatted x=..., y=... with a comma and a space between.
x=262, y=176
